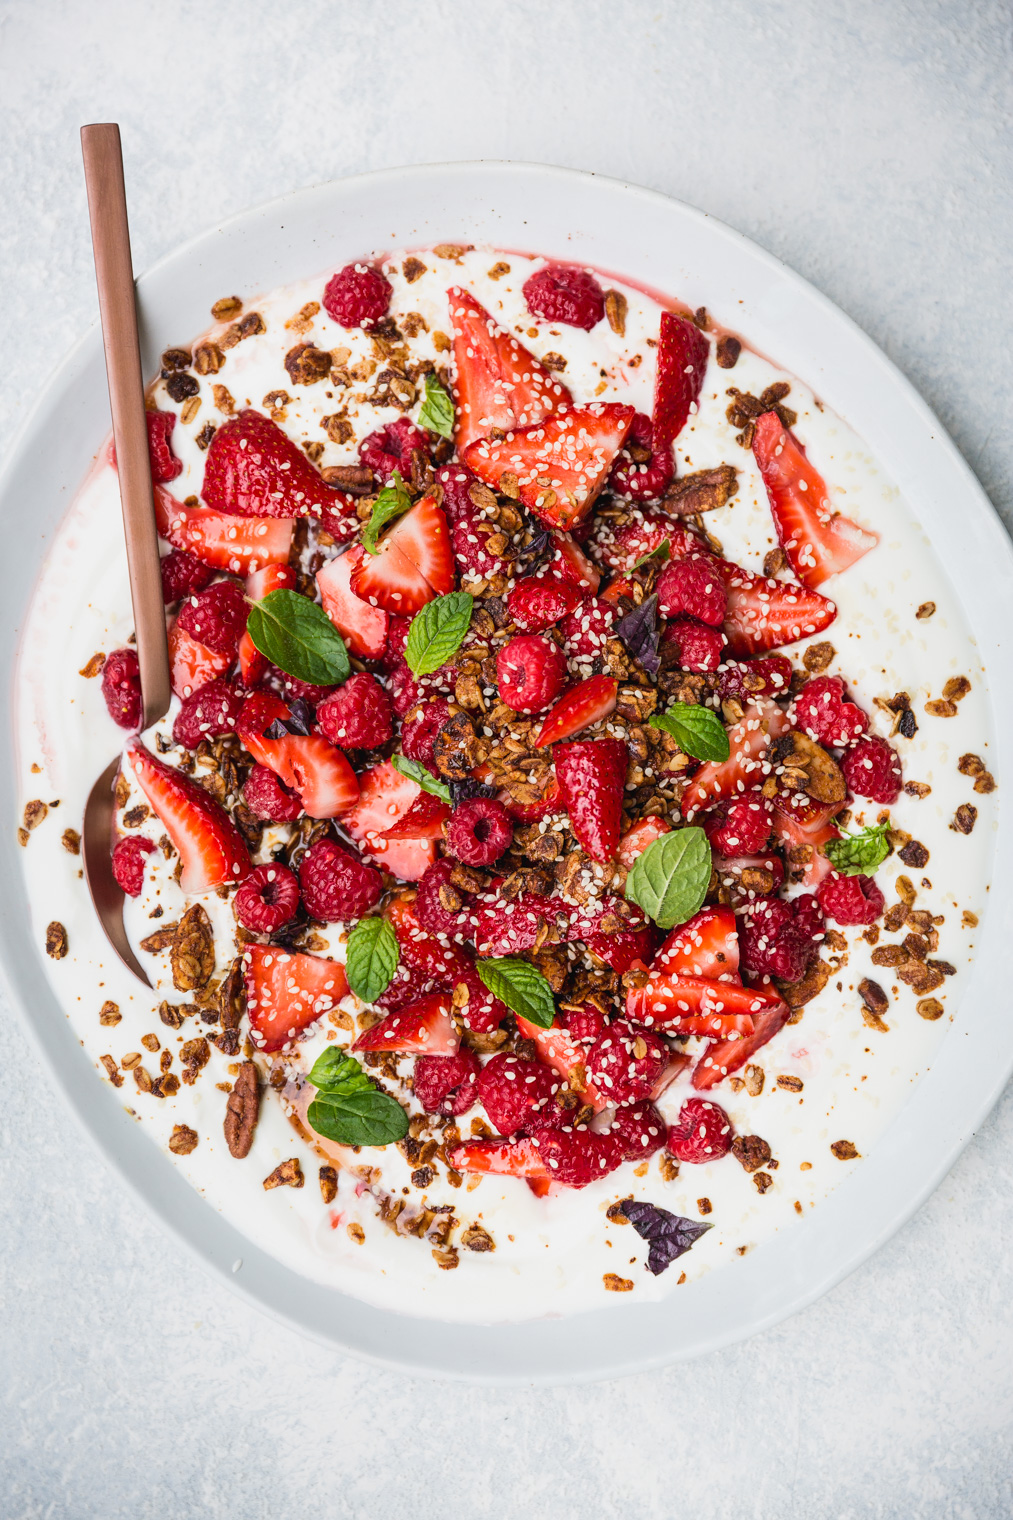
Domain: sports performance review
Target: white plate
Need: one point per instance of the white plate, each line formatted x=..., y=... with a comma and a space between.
x=670, y=247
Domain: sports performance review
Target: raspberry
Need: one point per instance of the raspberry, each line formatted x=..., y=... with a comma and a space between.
x=215, y=617
x=702, y=1132
x=207, y=713
x=406, y=986
x=164, y=464
x=471, y=548
x=517, y=1093
x=128, y=863
x=419, y=730
x=429, y=910
x=357, y=296
x=821, y=710
x=746, y=679
x=691, y=588
x=397, y=637
x=641, y=472
x=405, y=691
x=777, y=937
x=446, y=1084
x=699, y=647
x=872, y=769
x=335, y=885
x=850, y=899
x=357, y=715
x=614, y=1065
x=267, y=899
x=808, y=915
x=291, y=688
x=456, y=481
x=585, y=633
x=531, y=671
x=585, y=1024
x=641, y=1129
x=391, y=447
x=479, y=831
x=269, y=798
x=576, y=1157
x=536, y=602
x=562, y=293
x=741, y=826
x=183, y=575
x=121, y=687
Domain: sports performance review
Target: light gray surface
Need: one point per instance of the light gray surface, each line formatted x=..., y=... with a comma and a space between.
x=868, y=145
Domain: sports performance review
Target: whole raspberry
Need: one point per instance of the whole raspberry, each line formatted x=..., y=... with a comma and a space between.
x=430, y=909
x=775, y=943
x=164, y=464
x=397, y=637
x=357, y=715
x=536, y=603
x=626, y=1061
x=479, y=831
x=215, y=617
x=586, y=632
x=641, y=472
x=470, y=538
x=456, y=481
x=121, y=687
x=207, y=713
x=563, y=293
x=702, y=1132
x=691, y=587
x=269, y=798
x=518, y=1094
x=822, y=711
x=335, y=885
x=850, y=899
x=531, y=671
x=391, y=447
x=807, y=912
x=576, y=1157
x=290, y=687
x=419, y=730
x=699, y=647
x=585, y=1024
x=446, y=1084
x=641, y=1129
x=741, y=826
x=183, y=575
x=267, y=899
x=748, y=679
x=407, y=985
x=357, y=296
x=405, y=692
x=872, y=769
x=128, y=863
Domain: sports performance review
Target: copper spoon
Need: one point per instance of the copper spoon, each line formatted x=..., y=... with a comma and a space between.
x=110, y=236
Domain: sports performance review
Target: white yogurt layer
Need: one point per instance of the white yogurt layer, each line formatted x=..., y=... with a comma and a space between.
x=551, y=1254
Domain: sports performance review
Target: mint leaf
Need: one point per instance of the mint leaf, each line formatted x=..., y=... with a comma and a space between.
x=437, y=412
x=335, y=1070
x=698, y=731
x=670, y=879
x=371, y=958
x=362, y=1115
x=393, y=501
x=416, y=771
x=859, y=854
x=521, y=986
x=437, y=631
x=662, y=552
x=298, y=636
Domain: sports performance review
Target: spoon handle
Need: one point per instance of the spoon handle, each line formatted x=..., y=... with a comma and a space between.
x=110, y=236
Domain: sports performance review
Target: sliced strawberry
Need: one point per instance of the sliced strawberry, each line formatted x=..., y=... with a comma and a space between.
x=286, y=992
x=802, y=831
x=253, y=469
x=722, y=1057
x=424, y=1028
x=621, y=950
x=818, y=542
x=618, y=586
x=551, y=801
x=592, y=777
x=192, y=665
x=446, y=964
x=311, y=767
x=586, y=703
x=260, y=583
x=210, y=846
x=498, y=383
x=635, y=841
x=766, y=614
x=623, y=548
x=558, y=1049
x=508, y=1158
x=708, y=946
x=560, y=464
x=569, y=563
x=683, y=352
x=423, y=820
x=236, y=544
x=673, y=1066
x=667, y=998
x=385, y=797
x=363, y=627
x=747, y=741
x=415, y=563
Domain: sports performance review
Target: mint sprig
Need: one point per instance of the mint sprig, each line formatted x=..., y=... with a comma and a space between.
x=437, y=412
x=349, y=1108
x=416, y=771
x=297, y=635
x=670, y=879
x=393, y=501
x=698, y=731
x=859, y=854
x=437, y=631
x=371, y=958
x=521, y=986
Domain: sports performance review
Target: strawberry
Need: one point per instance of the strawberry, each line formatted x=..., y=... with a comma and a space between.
x=498, y=383
x=765, y=614
x=363, y=627
x=621, y=950
x=635, y=842
x=560, y=464
x=668, y=999
x=683, y=352
x=557, y=1048
x=192, y=665
x=423, y=1028
x=385, y=797
x=706, y=946
x=286, y=992
x=570, y=565
x=445, y=964
x=236, y=544
x=801, y=830
x=592, y=775
x=252, y=664
x=415, y=562
x=649, y=529
x=818, y=543
x=253, y=469
x=317, y=772
x=209, y=844
x=508, y=1158
x=423, y=820
x=724, y=1056
x=743, y=770
x=619, y=585
x=586, y=703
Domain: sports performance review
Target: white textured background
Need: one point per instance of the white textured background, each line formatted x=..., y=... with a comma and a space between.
x=867, y=142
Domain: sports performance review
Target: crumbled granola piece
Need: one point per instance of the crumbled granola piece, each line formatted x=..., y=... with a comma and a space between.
x=616, y=307
x=727, y=353
x=328, y=1183
x=193, y=951
x=750, y=1151
x=183, y=1140
x=56, y=940
x=965, y=818
x=616, y=1284
x=94, y=667
x=286, y=1174
x=929, y=1008
x=844, y=1150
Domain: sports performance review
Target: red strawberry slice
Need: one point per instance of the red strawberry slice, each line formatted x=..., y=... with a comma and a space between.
x=210, y=846
x=253, y=469
x=260, y=583
x=507, y=1158
x=423, y=820
x=236, y=544
x=558, y=1049
x=385, y=797
x=708, y=946
x=445, y=964
x=802, y=830
x=571, y=565
x=668, y=1074
x=311, y=767
x=668, y=998
x=592, y=776
x=424, y=1027
x=766, y=614
x=363, y=628
x=683, y=352
x=415, y=563
x=498, y=383
x=635, y=842
x=623, y=548
x=743, y=769
x=619, y=585
x=586, y=703
x=286, y=992
x=818, y=542
x=560, y=464
x=722, y=1057
x=191, y=664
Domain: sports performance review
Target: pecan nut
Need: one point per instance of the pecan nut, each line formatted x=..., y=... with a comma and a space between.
x=242, y=1111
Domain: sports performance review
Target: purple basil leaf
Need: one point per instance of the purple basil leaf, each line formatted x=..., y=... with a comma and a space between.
x=639, y=632
x=300, y=716
x=530, y=557
x=463, y=791
x=669, y=1234
x=276, y=730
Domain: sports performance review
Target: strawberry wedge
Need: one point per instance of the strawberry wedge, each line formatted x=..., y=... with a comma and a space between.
x=802, y=831
x=423, y=820
x=668, y=999
x=192, y=664
x=253, y=469
x=362, y=626
x=586, y=703
x=210, y=846
x=385, y=799
x=747, y=741
x=683, y=352
x=310, y=766
x=633, y=844
x=423, y=1028
x=558, y=1049
x=722, y=1057
x=506, y=1158
x=706, y=946
x=765, y=614
x=498, y=383
x=414, y=563
x=287, y=991
x=818, y=542
x=237, y=544
x=260, y=583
